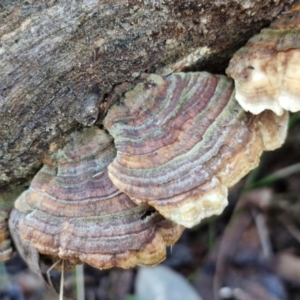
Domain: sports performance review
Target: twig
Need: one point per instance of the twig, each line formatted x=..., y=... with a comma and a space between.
x=293, y=230
x=79, y=272
x=48, y=273
x=61, y=292
x=262, y=233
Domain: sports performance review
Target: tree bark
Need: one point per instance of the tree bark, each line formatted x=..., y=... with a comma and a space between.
x=61, y=60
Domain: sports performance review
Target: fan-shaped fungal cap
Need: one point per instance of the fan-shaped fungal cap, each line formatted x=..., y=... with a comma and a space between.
x=5, y=247
x=182, y=140
x=267, y=70
x=74, y=212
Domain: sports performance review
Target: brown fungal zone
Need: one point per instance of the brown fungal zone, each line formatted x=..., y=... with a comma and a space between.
x=5, y=247
x=183, y=140
x=267, y=69
x=72, y=211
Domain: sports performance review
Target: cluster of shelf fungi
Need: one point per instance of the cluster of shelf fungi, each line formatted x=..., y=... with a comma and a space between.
x=171, y=148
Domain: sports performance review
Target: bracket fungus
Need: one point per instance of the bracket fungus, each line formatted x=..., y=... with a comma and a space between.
x=267, y=70
x=183, y=140
x=73, y=212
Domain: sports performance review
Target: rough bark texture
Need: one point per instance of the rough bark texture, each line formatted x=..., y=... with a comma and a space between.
x=60, y=60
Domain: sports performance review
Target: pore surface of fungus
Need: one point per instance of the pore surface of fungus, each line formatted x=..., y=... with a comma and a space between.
x=267, y=70
x=73, y=212
x=183, y=140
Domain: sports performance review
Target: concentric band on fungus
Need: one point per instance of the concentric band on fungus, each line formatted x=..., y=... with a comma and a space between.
x=183, y=140
x=5, y=246
x=73, y=211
